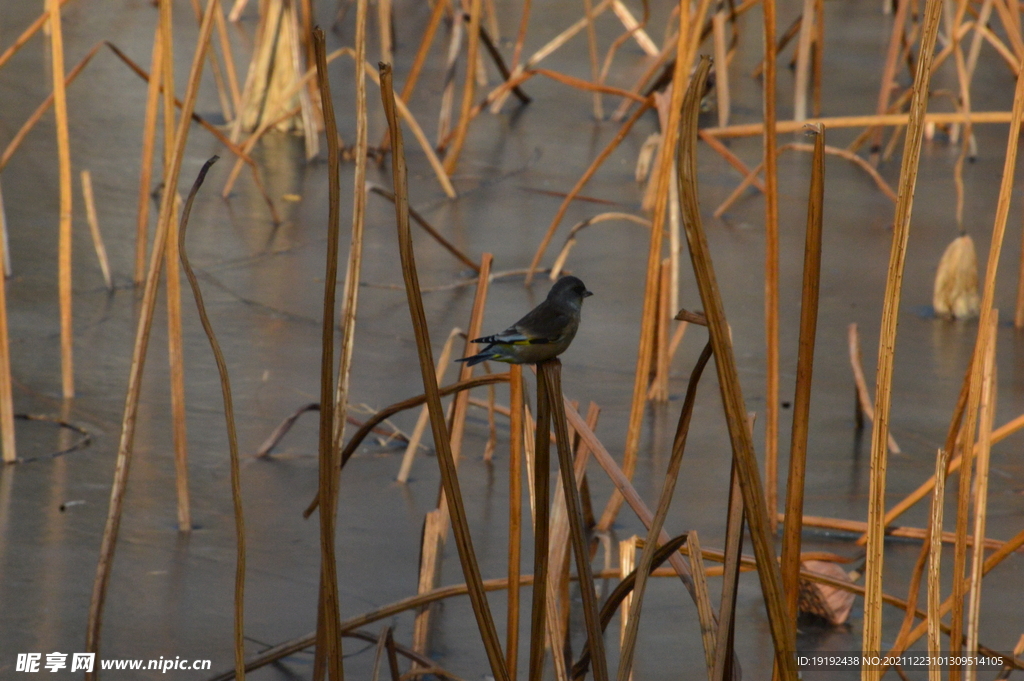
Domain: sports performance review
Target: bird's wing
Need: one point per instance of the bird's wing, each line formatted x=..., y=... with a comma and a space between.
x=546, y=323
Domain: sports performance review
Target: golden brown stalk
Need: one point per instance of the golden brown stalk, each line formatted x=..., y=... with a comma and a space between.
x=721, y=68
x=578, y=187
x=804, y=372
x=229, y=418
x=541, y=529
x=549, y=374
x=889, y=70
x=650, y=305
x=705, y=610
x=863, y=405
x=328, y=649
x=456, y=426
x=146, y=311
x=722, y=667
x=451, y=160
x=934, y=564
x=859, y=526
x=449, y=476
x=515, y=515
x=7, y=440
x=751, y=129
x=60, y=109
x=350, y=297
x=658, y=390
x=818, y=59
x=985, y=315
x=771, y=269
x=148, y=150
x=647, y=556
x=421, y=422
x=175, y=350
x=731, y=158
x=743, y=448
x=803, y=60
x=595, y=70
x=872, y=642
x=94, y=229
x=986, y=416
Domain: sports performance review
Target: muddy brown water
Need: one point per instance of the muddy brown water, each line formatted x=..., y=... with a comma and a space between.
x=171, y=594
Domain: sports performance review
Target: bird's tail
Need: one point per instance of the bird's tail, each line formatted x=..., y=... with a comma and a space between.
x=474, y=360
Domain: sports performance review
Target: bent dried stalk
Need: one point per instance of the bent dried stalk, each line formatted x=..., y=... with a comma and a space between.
x=732, y=395
x=143, y=327
x=467, y=556
x=229, y=418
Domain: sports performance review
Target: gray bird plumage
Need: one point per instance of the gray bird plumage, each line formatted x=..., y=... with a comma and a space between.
x=545, y=332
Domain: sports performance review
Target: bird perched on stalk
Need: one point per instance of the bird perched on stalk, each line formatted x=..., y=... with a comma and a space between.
x=545, y=332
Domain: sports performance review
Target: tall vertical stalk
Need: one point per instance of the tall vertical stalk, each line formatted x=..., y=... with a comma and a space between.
x=872, y=638
x=804, y=373
x=449, y=476
x=328, y=649
x=782, y=628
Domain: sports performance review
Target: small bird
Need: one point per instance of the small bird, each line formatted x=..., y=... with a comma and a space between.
x=545, y=332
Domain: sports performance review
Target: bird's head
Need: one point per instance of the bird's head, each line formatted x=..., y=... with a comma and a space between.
x=569, y=290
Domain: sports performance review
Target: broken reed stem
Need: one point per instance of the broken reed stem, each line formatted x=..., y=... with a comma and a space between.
x=430, y=575
x=27, y=34
x=94, y=229
x=421, y=422
x=429, y=229
x=8, y=452
x=771, y=267
x=732, y=396
x=515, y=515
x=578, y=187
x=934, y=621
x=889, y=70
x=145, y=323
x=421, y=54
x=664, y=502
x=176, y=361
x=175, y=351
x=451, y=160
x=328, y=649
x=595, y=69
x=721, y=68
x=648, y=315
x=541, y=532
x=859, y=526
x=350, y=626
x=658, y=390
x=872, y=638
x=804, y=371
x=861, y=387
x=986, y=416
x=350, y=297
x=985, y=315
x=705, y=610
x=229, y=418
x=804, y=60
x=549, y=373
x=818, y=58
x=146, y=165
x=467, y=557
x=939, y=118
x=723, y=662
x=60, y=110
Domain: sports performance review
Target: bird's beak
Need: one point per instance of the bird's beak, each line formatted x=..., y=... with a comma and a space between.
x=587, y=294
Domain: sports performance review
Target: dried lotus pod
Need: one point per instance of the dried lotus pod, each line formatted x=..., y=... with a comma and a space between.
x=956, y=282
x=823, y=600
